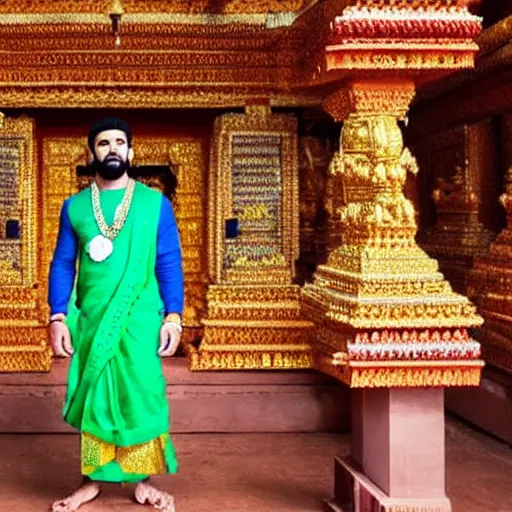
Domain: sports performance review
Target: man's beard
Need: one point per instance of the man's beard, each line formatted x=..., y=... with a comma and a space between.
x=112, y=167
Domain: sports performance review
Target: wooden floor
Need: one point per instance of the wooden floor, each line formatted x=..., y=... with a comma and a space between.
x=245, y=472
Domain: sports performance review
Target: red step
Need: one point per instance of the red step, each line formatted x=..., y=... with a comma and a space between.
x=241, y=401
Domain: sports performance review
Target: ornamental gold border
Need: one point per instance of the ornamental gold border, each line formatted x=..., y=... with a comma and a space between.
x=270, y=359
x=122, y=96
x=140, y=36
x=158, y=6
x=402, y=373
x=445, y=57
x=55, y=62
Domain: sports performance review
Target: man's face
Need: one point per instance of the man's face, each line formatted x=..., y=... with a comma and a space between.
x=112, y=154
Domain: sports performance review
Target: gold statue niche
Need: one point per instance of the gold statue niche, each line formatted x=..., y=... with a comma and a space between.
x=253, y=308
x=23, y=345
x=490, y=286
x=458, y=236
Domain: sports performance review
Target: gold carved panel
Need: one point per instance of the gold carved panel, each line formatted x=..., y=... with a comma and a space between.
x=158, y=7
x=253, y=316
x=61, y=157
x=23, y=344
x=254, y=185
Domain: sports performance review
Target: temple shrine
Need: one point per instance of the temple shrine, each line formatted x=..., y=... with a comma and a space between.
x=341, y=174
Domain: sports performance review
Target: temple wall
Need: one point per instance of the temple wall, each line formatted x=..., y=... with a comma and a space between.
x=181, y=139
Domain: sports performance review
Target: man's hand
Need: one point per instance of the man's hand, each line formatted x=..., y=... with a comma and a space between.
x=170, y=336
x=60, y=339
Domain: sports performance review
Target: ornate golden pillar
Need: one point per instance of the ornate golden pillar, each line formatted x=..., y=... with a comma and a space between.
x=387, y=322
x=385, y=315
x=253, y=308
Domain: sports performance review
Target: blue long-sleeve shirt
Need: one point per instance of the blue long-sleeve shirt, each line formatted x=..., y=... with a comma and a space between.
x=168, y=267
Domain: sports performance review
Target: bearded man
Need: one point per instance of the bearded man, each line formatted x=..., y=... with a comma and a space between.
x=126, y=315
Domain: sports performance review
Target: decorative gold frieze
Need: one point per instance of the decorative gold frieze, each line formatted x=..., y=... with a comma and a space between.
x=159, y=6
x=264, y=359
x=134, y=96
x=375, y=97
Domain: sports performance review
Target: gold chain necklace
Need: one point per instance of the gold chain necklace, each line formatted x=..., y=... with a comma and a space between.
x=121, y=214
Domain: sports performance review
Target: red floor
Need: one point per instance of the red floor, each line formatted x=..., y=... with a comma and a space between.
x=245, y=472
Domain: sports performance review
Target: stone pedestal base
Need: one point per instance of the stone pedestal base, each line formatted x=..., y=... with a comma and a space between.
x=397, y=461
x=354, y=492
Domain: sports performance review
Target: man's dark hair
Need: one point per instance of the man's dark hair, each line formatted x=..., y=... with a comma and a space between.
x=108, y=123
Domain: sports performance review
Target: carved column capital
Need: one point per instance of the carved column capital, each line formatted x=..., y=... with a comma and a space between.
x=378, y=98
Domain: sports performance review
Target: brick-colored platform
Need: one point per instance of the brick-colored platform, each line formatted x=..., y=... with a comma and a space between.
x=245, y=472
x=273, y=401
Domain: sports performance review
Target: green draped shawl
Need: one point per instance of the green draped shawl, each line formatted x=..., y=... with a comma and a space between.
x=116, y=387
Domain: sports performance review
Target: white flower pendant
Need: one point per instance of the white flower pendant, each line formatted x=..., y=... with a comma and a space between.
x=100, y=248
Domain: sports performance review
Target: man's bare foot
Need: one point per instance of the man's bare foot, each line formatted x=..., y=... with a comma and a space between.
x=85, y=493
x=159, y=500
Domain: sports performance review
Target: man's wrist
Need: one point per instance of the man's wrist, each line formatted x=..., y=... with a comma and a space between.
x=178, y=326
x=173, y=318
x=58, y=317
